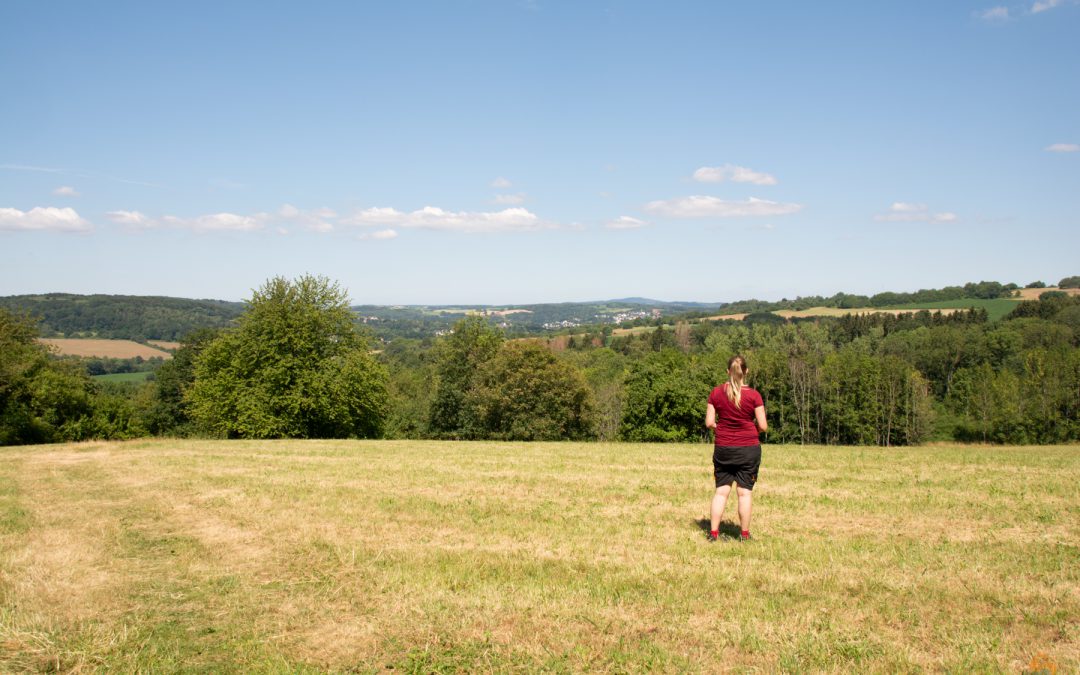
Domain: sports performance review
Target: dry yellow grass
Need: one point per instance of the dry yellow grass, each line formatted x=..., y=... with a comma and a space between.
x=165, y=344
x=836, y=311
x=726, y=317
x=116, y=349
x=1034, y=293
x=312, y=556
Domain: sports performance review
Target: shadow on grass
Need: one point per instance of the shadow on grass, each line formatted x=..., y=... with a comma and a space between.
x=727, y=529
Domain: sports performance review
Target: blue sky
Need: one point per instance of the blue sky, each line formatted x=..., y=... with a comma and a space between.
x=516, y=152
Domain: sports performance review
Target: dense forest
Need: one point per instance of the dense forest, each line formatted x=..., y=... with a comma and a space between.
x=297, y=361
x=127, y=317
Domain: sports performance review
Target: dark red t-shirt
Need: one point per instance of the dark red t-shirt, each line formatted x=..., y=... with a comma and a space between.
x=735, y=426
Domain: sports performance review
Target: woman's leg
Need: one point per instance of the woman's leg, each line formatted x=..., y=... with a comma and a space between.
x=719, y=501
x=746, y=499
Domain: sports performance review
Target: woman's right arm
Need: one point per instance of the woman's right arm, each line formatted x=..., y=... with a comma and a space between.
x=710, y=417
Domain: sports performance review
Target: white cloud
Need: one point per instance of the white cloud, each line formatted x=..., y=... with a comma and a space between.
x=907, y=207
x=993, y=14
x=625, y=223
x=130, y=218
x=735, y=174
x=316, y=220
x=47, y=218
x=216, y=222
x=906, y=212
x=501, y=183
x=434, y=218
x=510, y=200
x=380, y=234
x=1043, y=5
x=698, y=206
x=1063, y=147
x=65, y=191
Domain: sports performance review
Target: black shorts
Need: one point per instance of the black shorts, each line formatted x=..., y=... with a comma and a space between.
x=736, y=463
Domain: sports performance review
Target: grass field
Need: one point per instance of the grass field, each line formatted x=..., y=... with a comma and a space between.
x=311, y=556
x=116, y=349
x=123, y=377
x=996, y=308
x=836, y=311
x=1034, y=293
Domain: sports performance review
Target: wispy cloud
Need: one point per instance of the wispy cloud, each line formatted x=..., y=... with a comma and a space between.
x=501, y=183
x=131, y=219
x=698, y=206
x=510, y=199
x=316, y=220
x=625, y=223
x=1063, y=147
x=216, y=222
x=213, y=222
x=76, y=172
x=1043, y=5
x=44, y=218
x=735, y=174
x=380, y=235
x=66, y=191
x=906, y=212
x=434, y=218
x=993, y=14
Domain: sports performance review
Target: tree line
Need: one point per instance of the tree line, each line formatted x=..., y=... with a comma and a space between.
x=296, y=365
x=126, y=317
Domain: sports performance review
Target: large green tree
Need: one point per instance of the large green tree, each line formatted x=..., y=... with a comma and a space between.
x=458, y=358
x=168, y=412
x=42, y=400
x=294, y=367
x=665, y=401
x=525, y=393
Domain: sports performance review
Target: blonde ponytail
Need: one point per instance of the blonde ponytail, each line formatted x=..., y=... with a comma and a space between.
x=736, y=373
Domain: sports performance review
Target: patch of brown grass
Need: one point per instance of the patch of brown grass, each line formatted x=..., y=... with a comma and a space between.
x=115, y=349
x=836, y=311
x=1035, y=293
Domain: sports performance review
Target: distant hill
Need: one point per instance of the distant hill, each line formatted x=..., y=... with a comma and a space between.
x=142, y=318
x=665, y=303
x=129, y=317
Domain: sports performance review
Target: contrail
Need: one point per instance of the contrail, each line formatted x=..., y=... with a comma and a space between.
x=82, y=174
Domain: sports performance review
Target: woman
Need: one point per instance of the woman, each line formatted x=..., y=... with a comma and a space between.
x=736, y=413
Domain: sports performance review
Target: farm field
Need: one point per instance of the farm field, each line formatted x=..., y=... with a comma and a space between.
x=165, y=344
x=312, y=556
x=996, y=308
x=1035, y=293
x=836, y=311
x=116, y=349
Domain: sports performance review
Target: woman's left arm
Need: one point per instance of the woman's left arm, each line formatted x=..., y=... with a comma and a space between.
x=759, y=417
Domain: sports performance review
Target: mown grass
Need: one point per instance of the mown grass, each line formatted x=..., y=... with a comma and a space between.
x=349, y=556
